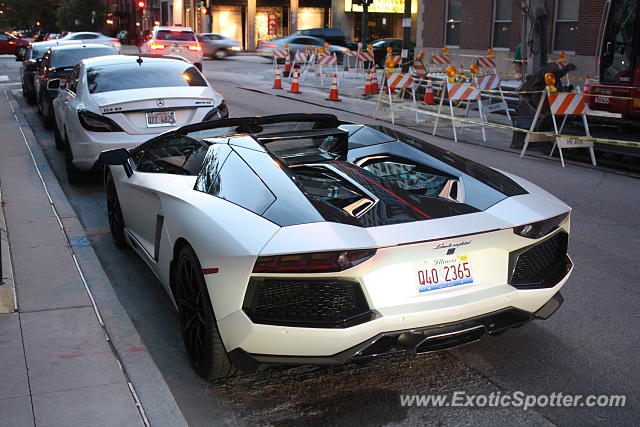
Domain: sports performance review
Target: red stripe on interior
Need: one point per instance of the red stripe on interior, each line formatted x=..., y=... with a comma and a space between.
x=385, y=189
x=209, y=270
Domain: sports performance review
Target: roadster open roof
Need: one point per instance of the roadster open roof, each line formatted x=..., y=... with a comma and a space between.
x=300, y=168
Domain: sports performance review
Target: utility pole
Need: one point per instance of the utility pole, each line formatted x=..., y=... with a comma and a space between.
x=365, y=23
x=534, y=39
x=406, y=35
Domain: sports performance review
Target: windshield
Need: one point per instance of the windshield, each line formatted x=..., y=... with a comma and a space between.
x=176, y=35
x=70, y=57
x=111, y=77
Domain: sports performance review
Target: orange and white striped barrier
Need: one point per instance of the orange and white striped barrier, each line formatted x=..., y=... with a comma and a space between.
x=486, y=62
x=279, y=54
x=562, y=104
x=400, y=84
x=364, y=60
x=440, y=60
x=491, y=82
x=463, y=93
x=327, y=65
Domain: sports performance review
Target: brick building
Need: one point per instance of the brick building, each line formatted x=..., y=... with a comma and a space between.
x=473, y=26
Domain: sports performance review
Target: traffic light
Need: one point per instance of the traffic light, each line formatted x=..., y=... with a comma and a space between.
x=141, y=4
x=204, y=10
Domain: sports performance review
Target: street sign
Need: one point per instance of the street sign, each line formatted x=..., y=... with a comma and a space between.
x=272, y=24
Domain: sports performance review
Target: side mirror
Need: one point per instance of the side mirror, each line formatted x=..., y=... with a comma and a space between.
x=53, y=84
x=117, y=156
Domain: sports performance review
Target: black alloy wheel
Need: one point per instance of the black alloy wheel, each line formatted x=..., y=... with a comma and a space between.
x=200, y=333
x=114, y=213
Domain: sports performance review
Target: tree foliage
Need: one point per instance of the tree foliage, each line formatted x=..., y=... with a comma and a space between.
x=24, y=14
x=76, y=15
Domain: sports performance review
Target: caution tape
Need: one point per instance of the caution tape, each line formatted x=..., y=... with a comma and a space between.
x=617, y=142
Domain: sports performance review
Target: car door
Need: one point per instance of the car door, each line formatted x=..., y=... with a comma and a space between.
x=66, y=103
x=39, y=76
x=158, y=162
x=4, y=44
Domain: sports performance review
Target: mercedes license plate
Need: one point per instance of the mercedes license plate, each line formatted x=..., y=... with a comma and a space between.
x=161, y=118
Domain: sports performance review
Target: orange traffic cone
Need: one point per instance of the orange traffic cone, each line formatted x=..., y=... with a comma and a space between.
x=287, y=64
x=367, y=84
x=587, y=85
x=428, y=93
x=277, y=81
x=295, y=87
x=374, y=82
x=333, y=91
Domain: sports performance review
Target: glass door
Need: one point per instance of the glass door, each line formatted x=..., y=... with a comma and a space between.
x=617, y=58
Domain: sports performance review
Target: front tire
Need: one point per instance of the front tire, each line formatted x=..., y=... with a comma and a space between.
x=220, y=54
x=114, y=213
x=200, y=332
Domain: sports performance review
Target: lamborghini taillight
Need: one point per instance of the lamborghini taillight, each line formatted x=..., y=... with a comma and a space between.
x=535, y=230
x=317, y=262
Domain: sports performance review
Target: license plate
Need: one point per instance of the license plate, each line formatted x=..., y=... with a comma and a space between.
x=445, y=272
x=161, y=118
x=176, y=48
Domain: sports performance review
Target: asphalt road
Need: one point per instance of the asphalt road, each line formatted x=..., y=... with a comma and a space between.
x=590, y=346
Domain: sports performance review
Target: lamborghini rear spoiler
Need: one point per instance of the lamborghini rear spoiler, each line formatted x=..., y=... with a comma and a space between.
x=252, y=125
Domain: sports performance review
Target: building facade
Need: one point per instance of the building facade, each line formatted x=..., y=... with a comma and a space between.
x=473, y=26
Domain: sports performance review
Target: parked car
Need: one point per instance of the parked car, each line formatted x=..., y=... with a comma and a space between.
x=88, y=37
x=53, y=36
x=57, y=62
x=302, y=239
x=31, y=62
x=217, y=46
x=12, y=45
x=122, y=101
x=177, y=41
x=333, y=36
x=380, y=50
x=297, y=43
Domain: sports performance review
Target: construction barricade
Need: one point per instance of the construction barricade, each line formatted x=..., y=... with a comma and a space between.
x=491, y=84
x=327, y=66
x=561, y=104
x=465, y=93
x=396, y=85
x=279, y=54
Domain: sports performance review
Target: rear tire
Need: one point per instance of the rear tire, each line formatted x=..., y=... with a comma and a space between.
x=114, y=213
x=220, y=54
x=57, y=137
x=74, y=175
x=45, y=110
x=200, y=332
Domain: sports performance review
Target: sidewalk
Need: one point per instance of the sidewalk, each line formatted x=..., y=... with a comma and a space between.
x=58, y=364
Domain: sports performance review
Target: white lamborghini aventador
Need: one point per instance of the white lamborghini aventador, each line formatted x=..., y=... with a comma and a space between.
x=300, y=239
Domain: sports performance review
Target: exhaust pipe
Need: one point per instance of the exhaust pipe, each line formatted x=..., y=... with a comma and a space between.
x=418, y=343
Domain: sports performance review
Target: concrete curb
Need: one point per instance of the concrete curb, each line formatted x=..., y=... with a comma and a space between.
x=146, y=382
x=7, y=285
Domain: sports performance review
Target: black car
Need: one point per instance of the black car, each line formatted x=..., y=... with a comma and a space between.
x=380, y=50
x=333, y=36
x=57, y=62
x=31, y=61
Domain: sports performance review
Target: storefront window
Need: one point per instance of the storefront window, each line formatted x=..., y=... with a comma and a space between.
x=310, y=17
x=227, y=20
x=566, y=25
x=454, y=11
x=262, y=22
x=502, y=24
